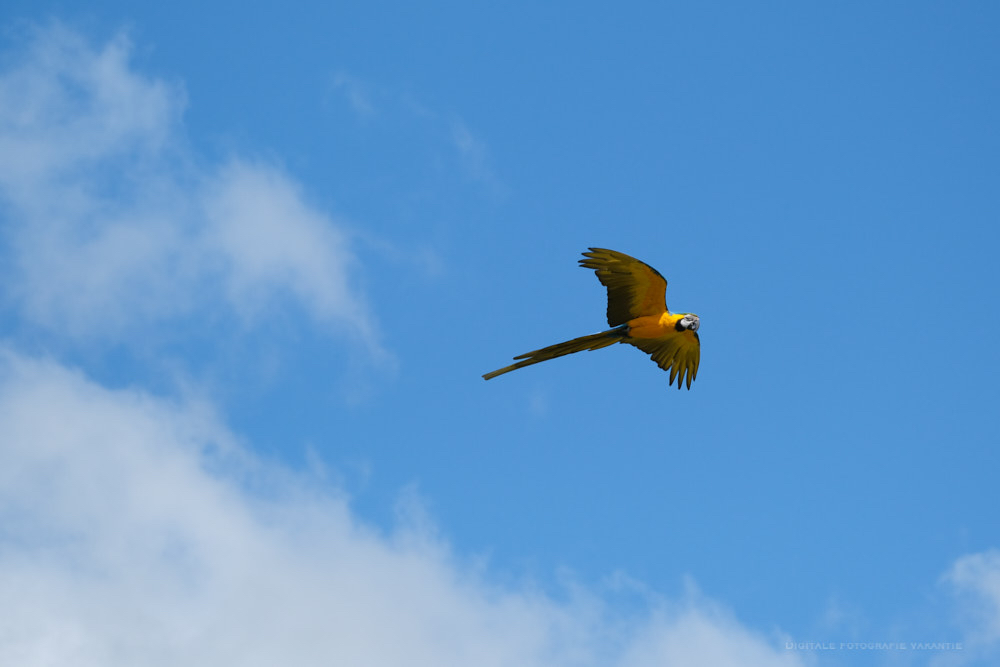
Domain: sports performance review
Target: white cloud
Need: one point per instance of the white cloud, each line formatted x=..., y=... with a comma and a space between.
x=110, y=228
x=701, y=635
x=67, y=106
x=977, y=578
x=139, y=531
x=271, y=239
x=136, y=530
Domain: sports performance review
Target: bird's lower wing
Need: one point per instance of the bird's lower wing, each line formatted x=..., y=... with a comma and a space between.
x=679, y=352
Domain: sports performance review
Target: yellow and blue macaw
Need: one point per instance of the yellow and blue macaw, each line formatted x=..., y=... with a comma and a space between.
x=638, y=315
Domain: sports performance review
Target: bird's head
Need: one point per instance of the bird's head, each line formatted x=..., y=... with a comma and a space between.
x=689, y=321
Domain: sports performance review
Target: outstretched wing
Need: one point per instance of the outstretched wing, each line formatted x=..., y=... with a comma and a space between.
x=679, y=352
x=634, y=288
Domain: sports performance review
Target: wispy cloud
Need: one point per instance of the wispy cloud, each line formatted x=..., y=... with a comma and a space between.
x=134, y=532
x=110, y=226
x=473, y=156
x=468, y=154
x=976, y=578
x=357, y=92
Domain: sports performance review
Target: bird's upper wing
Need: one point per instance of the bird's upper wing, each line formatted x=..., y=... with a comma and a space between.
x=679, y=352
x=634, y=288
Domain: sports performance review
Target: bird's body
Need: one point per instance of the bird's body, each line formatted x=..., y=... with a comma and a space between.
x=638, y=314
x=653, y=326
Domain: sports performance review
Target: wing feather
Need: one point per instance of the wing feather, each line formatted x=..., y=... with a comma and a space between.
x=634, y=288
x=678, y=352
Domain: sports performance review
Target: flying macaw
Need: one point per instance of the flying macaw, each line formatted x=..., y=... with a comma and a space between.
x=638, y=315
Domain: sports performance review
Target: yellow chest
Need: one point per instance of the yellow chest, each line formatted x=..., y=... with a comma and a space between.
x=653, y=326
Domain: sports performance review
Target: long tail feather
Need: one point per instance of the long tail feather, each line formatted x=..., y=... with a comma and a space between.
x=592, y=342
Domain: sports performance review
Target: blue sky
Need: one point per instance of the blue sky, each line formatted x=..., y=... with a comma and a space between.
x=256, y=259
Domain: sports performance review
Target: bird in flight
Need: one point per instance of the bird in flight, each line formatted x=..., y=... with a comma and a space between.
x=638, y=315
